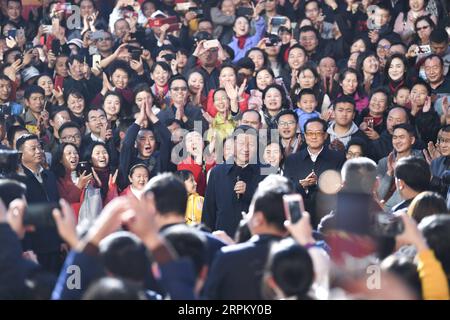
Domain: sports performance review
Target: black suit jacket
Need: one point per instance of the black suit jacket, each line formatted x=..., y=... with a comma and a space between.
x=193, y=114
x=237, y=270
x=44, y=240
x=299, y=165
x=222, y=209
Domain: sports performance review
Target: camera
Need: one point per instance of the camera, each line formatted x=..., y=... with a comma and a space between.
x=272, y=40
x=84, y=166
x=40, y=215
x=135, y=53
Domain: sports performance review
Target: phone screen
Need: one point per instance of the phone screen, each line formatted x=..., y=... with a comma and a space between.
x=293, y=207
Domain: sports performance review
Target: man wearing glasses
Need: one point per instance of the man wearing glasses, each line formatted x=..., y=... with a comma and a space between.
x=441, y=165
x=41, y=187
x=181, y=109
x=305, y=167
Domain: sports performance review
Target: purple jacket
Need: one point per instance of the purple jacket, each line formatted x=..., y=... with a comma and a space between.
x=252, y=41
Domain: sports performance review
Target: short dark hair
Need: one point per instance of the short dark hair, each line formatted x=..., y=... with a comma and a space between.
x=170, y=193
x=245, y=63
x=356, y=141
x=251, y=110
x=433, y=55
x=268, y=199
x=33, y=89
x=344, y=99
x=56, y=110
x=11, y=132
x=415, y=172
x=436, y=230
x=287, y=112
x=125, y=256
x=321, y=121
x=11, y=190
x=66, y=125
x=26, y=137
x=291, y=267
x=309, y=29
x=424, y=84
x=188, y=242
x=439, y=35
x=177, y=77
x=304, y=92
x=109, y=288
x=407, y=127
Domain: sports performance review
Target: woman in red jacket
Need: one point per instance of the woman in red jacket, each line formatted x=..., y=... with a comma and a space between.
x=70, y=184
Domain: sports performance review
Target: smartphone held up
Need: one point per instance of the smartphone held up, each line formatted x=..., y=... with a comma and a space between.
x=293, y=207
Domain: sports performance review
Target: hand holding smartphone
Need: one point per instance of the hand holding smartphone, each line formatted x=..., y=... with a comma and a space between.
x=293, y=207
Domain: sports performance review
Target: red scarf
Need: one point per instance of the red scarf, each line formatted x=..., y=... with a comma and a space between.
x=241, y=41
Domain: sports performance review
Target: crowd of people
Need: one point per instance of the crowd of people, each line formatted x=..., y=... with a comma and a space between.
x=149, y=149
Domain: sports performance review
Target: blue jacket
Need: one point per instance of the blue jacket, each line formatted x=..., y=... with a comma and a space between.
x=222, y=210
x=252, y=41
x=237, y=270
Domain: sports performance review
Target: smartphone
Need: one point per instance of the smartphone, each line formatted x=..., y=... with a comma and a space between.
x=169, y=57
x=84, y=166
x=136, y=53
x=158, y=22
x=59, y=82
x=96, y=58
x=209, y=44
x=273, y=40
x=244, y=11
x=40, y=215
x=278, y=21
x=47, y=28
x=293, y=207
x=425, y=49
x=389, y=225
x=28, y=46
x=56, y=47
x=369, y=121
x=12, y=33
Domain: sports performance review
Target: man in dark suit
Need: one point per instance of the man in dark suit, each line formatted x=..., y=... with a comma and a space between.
x=232, y=184
x=181, y=109
x=237, y=270
x=305, y=167
x=41, y=187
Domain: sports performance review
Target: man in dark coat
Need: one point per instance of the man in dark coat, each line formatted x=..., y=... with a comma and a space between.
x=231, y=185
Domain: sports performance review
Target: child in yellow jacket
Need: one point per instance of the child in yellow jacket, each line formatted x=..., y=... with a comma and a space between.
x=195, y=201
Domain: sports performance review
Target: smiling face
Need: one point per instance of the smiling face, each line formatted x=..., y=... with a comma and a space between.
x=196, y=82
x=5, y=90
x=296, y=58
x=307, y=79
x=273, y=100
x=245, y=147
x=139, y=178
x=396, y=69
x=402, y=141
x=70, y=158
x=434, y=70
x=241, y=27
x=378, y=104
x=371, y=65
x=221, y=101
x=358, y=46
x=309, y=40
x=423, y=29
x=111, y=105
x=32, y=153
x=76, y=105
x=35, y=102
x=263, y=79
x=120, y=79
x=402, y=97
x=227, y=75
x=160, y=76
x=287, y=126
x=179, y=91
x=396, y=116
x=143, y=97
x=273, y=154
x=416, y=5
x=100, y=157
x=194, y=143
x=308, y=103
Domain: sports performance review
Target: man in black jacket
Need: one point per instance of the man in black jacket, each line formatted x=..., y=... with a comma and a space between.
x=305, y=167
x=41, y=187
x=231, y=185
x=140, y=146
x=237, y=270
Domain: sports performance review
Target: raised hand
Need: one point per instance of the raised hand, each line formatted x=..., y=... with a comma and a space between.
x=65, y=223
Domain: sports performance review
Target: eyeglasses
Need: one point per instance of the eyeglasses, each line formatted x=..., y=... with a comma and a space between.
x=385, y=47
x=104, y=39
x=178, y=88
x=286, y=123
x=71, y=138
x=422, y=28
x=314, y=134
